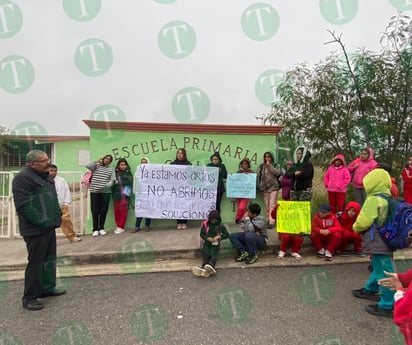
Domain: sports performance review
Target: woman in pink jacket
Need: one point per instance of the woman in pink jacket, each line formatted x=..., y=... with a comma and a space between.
x=359, y=168
x=336, y=180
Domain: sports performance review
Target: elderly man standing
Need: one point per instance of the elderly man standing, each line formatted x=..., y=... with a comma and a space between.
x=39, y=215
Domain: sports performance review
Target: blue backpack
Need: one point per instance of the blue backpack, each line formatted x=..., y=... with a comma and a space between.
x=397, y=230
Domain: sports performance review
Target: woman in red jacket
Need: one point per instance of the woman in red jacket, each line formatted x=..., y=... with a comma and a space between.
x=402, y=313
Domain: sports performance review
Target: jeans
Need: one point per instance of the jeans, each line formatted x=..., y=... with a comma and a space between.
x=247, y=242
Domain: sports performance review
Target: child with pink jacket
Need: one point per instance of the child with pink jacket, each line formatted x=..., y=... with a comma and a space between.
x=336, y=180
x=359, y=168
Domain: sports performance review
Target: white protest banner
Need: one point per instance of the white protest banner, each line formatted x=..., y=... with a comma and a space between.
x=175, y=191
x=241, y=186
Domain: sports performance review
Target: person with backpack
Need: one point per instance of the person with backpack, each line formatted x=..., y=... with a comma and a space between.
x=212, y=232
x=268, y=183
x=407, y=181
x=374, y=213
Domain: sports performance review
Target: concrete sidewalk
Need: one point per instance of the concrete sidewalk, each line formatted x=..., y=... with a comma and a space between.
x=161, y=249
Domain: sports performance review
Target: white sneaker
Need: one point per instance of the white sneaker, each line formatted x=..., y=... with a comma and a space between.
x=297, y=256
x=281, y=254
x=118, y=230
x=328, y=255
x=95, y=233
x=102, y=232
x=200, y=272
x=321, y=253
x=210, y=269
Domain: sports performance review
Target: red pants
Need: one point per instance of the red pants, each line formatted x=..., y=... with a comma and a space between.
x=337, y=201
x=348, y=237
x=329, y=242
x=120, y=211
x=241, y=208
x=295, y=241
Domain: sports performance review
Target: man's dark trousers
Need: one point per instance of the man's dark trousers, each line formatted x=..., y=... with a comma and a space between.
x=40, y=275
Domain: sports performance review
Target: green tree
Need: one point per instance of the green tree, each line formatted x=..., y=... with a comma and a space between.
x=350, y=101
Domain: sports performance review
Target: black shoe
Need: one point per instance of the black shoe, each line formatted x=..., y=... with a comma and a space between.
x=33, y=305
x=53, y=293
x=251, y=259
x=364, y=294
x=375, y=310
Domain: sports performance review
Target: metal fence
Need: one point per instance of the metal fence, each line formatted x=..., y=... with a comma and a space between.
x=78, y=208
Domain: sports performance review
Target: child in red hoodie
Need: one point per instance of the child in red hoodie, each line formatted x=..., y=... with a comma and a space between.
x=402, y=313
x=326, y=232
x=347, y=219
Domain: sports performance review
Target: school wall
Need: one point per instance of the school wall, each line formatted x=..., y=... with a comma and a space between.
x=71, y=155
x=160, y=142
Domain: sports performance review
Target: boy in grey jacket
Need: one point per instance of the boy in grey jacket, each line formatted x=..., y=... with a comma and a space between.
x=253, y=238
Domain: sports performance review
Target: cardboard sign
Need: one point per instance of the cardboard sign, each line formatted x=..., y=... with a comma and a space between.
x=241, y=186
x=293, y=217
x=175, y=191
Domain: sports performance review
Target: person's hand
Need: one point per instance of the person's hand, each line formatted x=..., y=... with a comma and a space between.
x=217, y=238
x=297, y=173
x=210, y=239
x=325, y=232
x=392, y=282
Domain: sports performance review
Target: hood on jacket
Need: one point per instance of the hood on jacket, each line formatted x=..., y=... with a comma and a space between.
x=147, y=159
x=339, y=156
x=355, y=205
x=377, y=181
x=214, y=214
x=305, y=154
x=371, y=154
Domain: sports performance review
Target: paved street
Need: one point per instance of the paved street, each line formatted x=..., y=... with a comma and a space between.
x=271, y=305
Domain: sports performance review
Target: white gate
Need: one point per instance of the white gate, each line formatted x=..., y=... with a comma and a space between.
x=78, y=207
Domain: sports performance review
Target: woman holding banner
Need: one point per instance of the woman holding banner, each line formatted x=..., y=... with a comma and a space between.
x=216, y=161
x=244, y=168
x=181, y=159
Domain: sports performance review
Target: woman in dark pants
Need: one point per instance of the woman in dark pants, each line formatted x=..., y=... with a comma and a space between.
x=100, y=192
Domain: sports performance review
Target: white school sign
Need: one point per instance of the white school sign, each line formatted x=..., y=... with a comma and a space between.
x=175, y=191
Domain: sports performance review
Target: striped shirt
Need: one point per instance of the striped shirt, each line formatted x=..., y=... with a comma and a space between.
x=102, y=179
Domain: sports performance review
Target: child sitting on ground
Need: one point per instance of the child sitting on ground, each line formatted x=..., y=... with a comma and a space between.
x=253, y=238
x=212, y=232
x=346, y=219
x=326, y=232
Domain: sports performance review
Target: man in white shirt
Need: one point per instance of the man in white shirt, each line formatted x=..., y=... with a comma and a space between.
x=63, y=194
